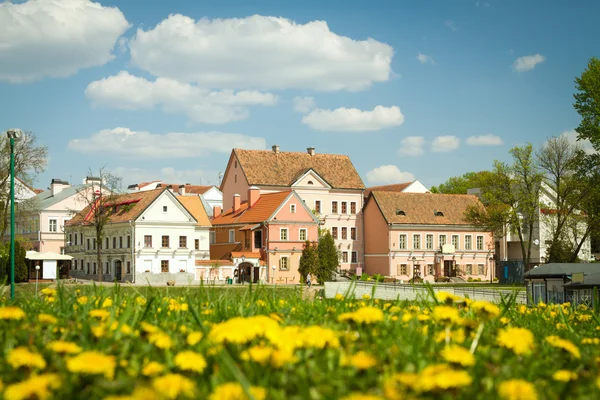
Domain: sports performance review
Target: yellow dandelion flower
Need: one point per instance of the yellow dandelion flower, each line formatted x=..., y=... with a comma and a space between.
x=590, y=341
x=194, y=338
x=152, y=368
x=148, y=328
x=190, y=361
x=234, y=391
x=207, y=312
x=99, y=331
x=82, y=300
x=458, y=355
x=441, y=377
x=361, y=396
x=140, y=301
x=100, y=314
x=258, y=354
x=107, y=303
x=48, y=292
x=395, y=309
x=22, y=357
x=14, y=313
x=360, y=360
x=261, y=303
x=173, y=386
x=93, y=363
x=519, y=340
x=517, y=389
x=37, y=386
x=316, y=337
x=485, y=309
x=564, y=344
x=564, y=375
x=276, y=317
x=47, y=319
x=448, y=298
x=242, y=330
x=455, y=336
x=504, y=321
x=364, y=315
x=160, y=340
x=339, y=296
x=447, y=314
x=62, y=347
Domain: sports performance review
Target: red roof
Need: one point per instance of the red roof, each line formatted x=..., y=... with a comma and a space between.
x=264, y=207
x=396, y=187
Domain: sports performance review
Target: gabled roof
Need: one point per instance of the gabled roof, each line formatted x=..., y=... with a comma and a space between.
x=267, y=168
x=129, y=207
x=261, y=211
x=194, y=189
x=589, y=281
x=552, y=270
x=421, y=208
x=396, y=187
x=195, y=207
x=46, y=199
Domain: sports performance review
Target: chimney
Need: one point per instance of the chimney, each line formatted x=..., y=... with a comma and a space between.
x=311, y=150
x=216, y=211
x=253, y=195
x=182, y=190
x=237, y=202
x=275, y=148
x=57, y=185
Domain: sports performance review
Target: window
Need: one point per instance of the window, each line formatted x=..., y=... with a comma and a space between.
x=293, y=208
x=402, y=269
x=128, y=270
x=212, y=237
x=94, y=243
x=354, y=257
x=400, y=213
x=231, y=236
x=344, y=207
x=334, y=207
x=430, y=269
x=344, y=233
x=128, y=242
x=469, y=269
x=283, y=234
x=120, y=242
x=164, y=208
x=455, y=241
x=114, y=242
x=302, y=236
x=106, y=243
x=318, y=206
x=164, y=265
x=235, y=178
x=468, y=242
x=94, y=268
x=353, y=233
x=416, y=242
x=438, y=213
x=75, y=265
x=76, y=235
x=147, y=240
x=283, y=264
x=334, y=232
x=183, y=242
x=106, y=268
x=479, y=242
x=52, y=225
x=81, y=238
x=402, y=241
x=196, y=244
x=88, y=268
x=165, y=241
x=70, y=239
x=352, y=207
x=429, y=242
x=344, y=256
x=480, y=269
x=87, y=246
x=235, y=164
x=258, y=239
x=310, y=183
x=442, y=240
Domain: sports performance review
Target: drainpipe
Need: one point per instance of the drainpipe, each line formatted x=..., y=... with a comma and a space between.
x=132, y=250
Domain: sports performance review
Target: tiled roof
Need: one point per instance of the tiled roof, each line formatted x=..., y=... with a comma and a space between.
x=239, y=254
x=264, y=207
x=45, y=198
x=210, y=263
x=195, y=189
x=397, y=187
x=420, y=208
x=265, y=167
x=134, y=205
x=194, y=205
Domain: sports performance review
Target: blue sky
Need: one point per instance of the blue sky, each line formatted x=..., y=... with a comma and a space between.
x=425, y=90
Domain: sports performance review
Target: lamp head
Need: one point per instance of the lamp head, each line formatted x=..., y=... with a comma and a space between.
x=37, y=267
x=14, y=133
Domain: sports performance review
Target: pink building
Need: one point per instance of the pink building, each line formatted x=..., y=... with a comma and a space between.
x=425, y=235
x=264, y=235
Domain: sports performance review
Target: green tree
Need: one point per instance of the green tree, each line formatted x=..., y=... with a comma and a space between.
x=309, y=261
x=460, y=184
x=21, y=272
x=328, y=258
x=587, y=104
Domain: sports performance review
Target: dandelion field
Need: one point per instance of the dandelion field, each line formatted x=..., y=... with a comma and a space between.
x=270, y=343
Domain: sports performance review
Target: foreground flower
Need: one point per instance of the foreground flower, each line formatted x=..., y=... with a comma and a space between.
x=243, y=330
x=14, y=313
x=364, y=315
x=172, y=386
x=234, y=391
x=37, y=386
x=564, y=375
x=194, y=338
x=517, y=389
x=100, y=314
x=447, y=314
x=519, y=340
x=458, y=355
x=361, y=396
x=22, y=357
x=92, y=363
x=360, y=360
x=47, y=319
x=440, y=377
x=448, y=298
x=564, y=344
x=152, y=368
x=160, y=340
x=485, y=309
x=190, y=361
x=63, y=347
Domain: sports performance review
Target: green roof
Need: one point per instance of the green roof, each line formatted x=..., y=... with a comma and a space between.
x=557, y=270
x=45, y=199
x=589, y=281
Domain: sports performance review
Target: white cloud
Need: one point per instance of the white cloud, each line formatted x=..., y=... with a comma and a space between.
x=387, y=174
x=259, y=52
x=586, y=145
x=168, y=175
x=304, y=104
x=130, y=92
x=411, y=146
x=353, y=119
x=445, y=143
x=484, y=140
x=482, y=4
x=127, y=143
x=450, y=24
x=41, y=38
x=527, y=63
x=425, y=59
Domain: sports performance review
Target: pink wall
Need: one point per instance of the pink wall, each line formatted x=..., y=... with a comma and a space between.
x=229, y=186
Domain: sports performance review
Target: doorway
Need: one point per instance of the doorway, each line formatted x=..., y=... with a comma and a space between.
x=449, y=269
x=118, y=270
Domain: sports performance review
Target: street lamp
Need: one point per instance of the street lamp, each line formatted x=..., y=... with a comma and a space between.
x=37, y=270
x=13, y=134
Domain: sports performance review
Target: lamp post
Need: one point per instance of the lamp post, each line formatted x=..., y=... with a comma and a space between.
x=13, y=134
x=37, y=270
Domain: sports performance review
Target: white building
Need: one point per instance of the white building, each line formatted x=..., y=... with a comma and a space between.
x=150, y=236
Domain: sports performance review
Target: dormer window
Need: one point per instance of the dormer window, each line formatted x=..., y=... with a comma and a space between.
x=310, y=183
x=438, y=213
x=292, y=208
x=400, y=213
x=164, y=208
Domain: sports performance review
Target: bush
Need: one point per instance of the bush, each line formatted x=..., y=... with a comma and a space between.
x=469, y=279
x=21, y=272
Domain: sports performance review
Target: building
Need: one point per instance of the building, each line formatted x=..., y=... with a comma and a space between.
x=405, y=187
x=425, y=235
x=150, y=236
x=327, y=183
x=263, y=236
x=557, y=282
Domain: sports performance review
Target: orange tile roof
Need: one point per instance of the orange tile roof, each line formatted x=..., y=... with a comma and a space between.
x=397, y=187
x=264, y=207
x=195, y=189
x=133, y=205
x=420, y=208
x=194, y=205
x=239, y=254
x=210, y=263
x=265, y=167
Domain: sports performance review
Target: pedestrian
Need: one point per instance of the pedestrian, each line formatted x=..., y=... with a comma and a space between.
x=308, y=277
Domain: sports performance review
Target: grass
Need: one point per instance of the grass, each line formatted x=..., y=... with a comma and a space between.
x=224, y=342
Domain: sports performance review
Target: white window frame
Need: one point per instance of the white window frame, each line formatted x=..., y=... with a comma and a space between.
x=354, y=255
x=293, y=208
x=344, y=204
x=440, y=239
x=320, y=206
x=287, y=264
x=231, y=236
x=64, y=221
x=337, y=206
x=212, y=237
x=345, y=257
x=355, y=208
x=482, y=272
x=287, y=234
x=457, y=245
x=305, y=234
x=402, y=269
x=55, y=219
x=477, y=242
x=469, y=269
x=427, y=247
x=430, y=269
x=469, y=243
x=413, y=241
x=405, y=241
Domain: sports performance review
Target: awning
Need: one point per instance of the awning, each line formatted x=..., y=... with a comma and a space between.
x=34, y=255
x=250, y=227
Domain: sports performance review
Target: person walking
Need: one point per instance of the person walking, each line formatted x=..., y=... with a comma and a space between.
x=308, y=277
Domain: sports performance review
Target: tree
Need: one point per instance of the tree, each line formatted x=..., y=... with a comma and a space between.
x=309, y=261
x=21, y=272
x=587, y=104
x=328, y=258
x=460, y=184
x=30, y=160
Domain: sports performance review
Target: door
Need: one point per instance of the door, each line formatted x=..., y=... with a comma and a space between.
x=416, y=271
x=118, y=271
x=256, y=274
x=449, y=269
